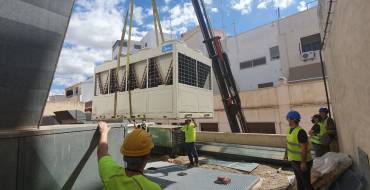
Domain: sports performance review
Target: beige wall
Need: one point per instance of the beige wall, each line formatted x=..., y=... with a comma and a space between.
x=272, y=104
x=347, y=53
x=255, y=139
x=69, y=104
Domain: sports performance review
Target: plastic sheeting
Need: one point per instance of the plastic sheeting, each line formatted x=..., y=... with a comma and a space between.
x=328, y=168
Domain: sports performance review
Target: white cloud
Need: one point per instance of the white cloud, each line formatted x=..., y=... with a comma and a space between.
x=208, y=2
x=214, y=9
x=302, y=6
x=283, y=3
x=244, y=6
x=93, y=28
x=139, y=15
x=164, y=9
x=167, y=2
x=264, y=4
x=182, y=16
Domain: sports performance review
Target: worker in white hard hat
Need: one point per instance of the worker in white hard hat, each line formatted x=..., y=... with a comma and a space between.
x=136, y=149
x=190, y=138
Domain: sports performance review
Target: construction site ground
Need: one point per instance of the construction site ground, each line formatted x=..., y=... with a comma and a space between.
x=272, y=177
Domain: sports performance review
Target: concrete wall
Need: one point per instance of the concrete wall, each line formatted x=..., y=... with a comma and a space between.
x=72, y=103
x=31, y=37
x=246, y=139
x=44, y=159
x=291, y=30
x=347, y=53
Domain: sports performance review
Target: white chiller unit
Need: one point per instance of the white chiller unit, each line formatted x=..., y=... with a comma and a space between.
x=171, y=81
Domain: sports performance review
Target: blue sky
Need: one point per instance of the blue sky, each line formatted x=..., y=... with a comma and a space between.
x=96, y=24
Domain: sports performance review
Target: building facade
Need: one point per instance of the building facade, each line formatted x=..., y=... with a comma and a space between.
x=83, y=91
x=148, y=41
x=277, y=69
x=286, y=48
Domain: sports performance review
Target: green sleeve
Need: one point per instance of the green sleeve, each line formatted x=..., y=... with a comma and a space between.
x=183, y=128
x=108, y=168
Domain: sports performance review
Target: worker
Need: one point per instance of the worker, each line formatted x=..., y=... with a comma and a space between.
x=298, y=152
x=190, y=137
x=136, y=149
x=330, y=136
x=318, y=131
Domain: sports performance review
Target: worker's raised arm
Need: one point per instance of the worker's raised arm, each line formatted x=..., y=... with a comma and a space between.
x=195, y=124
x=103, y=141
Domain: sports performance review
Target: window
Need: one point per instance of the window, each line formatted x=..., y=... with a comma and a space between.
x=69, y=93
x=246, y=64
x=187, y=70
x=76, y=90
x=204, y=76
x=265, y=85
x=146, y=44
x=311, y=43
x=253, y=63
x=136, y=46
x=259, y=61
x=125, y=44
x=274, y=53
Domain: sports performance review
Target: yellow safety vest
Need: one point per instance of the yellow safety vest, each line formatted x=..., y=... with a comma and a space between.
x=294, y=148
x=316, y=138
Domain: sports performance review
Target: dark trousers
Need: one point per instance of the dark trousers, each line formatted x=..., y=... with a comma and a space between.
x=192, y=152
x=320, y=149
x=303, y=178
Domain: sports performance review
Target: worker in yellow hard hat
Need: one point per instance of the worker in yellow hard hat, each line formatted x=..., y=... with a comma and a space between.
x=136, y=149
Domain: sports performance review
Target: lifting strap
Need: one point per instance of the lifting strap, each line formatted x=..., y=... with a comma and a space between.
x=157, y=25
x=128, y=56
x=119, y=62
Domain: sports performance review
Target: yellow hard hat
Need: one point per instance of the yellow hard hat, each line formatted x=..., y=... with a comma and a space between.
x=137, y=143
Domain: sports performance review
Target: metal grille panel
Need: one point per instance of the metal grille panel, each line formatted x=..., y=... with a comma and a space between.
x=204, y=75
x=187, y=70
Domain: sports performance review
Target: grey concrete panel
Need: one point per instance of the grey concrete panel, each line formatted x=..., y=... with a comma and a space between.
x=31, y=37
x=52, y=158
x=8, y=163
x=59, y=7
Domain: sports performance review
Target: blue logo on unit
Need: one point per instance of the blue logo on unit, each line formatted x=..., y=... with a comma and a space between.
x=167, y=48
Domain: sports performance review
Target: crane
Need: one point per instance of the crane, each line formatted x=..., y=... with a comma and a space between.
x=221, y=68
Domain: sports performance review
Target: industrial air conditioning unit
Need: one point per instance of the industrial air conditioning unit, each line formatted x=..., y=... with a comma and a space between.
x=310, y=55
x=171, y=81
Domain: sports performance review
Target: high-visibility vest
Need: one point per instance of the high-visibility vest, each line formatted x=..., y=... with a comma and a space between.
x=316, y=138
x=294, y=149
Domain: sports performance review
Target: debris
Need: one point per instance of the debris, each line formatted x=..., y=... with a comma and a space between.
x=248, y=167
x=223, y=180
x=182, y=174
